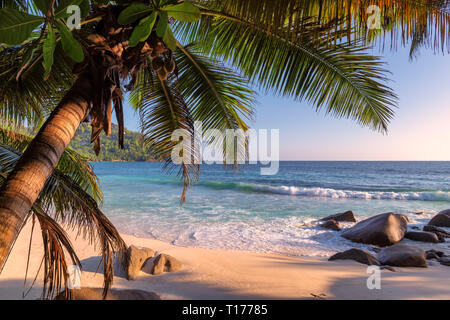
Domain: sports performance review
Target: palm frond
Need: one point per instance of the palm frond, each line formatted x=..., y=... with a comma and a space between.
x=76, y=209
x=14, y=4
x=401, y=20
x=217, y=96
x=162, y=112
x=56, y=244
x=70, y=163
x=30, y=97
x=69, y=197
x=342, y=79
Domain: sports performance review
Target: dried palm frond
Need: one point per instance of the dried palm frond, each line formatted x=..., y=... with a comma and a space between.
x=56, y=244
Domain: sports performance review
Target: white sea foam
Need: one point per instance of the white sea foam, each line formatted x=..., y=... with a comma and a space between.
x=290, y=236
x=351, y=194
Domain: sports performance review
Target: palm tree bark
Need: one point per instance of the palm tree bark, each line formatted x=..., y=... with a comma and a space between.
x=25, y=182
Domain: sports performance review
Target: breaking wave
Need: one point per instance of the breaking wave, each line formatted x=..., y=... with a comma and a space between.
x=331, y=193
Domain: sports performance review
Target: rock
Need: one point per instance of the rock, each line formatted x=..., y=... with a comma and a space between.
x=165, y=263
x=446, y=212
x=345, y=216
x=402, y=255
x=382, y=230
x=444, y=261
x=419, y=213
x=136, y=259
x=375, y=249
x=113, y=294
x=331, y=224
x=435, y=252
x=422, y=236
x=438, y=231
x=415, y=228
x=388, y=268
x=442, y=219
x=431, y=255
x=358, y=255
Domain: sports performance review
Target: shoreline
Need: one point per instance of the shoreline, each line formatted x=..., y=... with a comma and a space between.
x=309, y=239
x=221, y=274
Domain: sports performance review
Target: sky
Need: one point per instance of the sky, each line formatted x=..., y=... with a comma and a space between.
x=420, y=129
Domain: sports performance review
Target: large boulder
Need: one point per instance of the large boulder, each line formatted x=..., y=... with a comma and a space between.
x=165, y=263
x=422, y=236
x=345, y=216
x=442, y=219
x=113, y=294
x=402, y=255
x=331, y=224
x=382, y=230
x=136, y=259
x=358, y=255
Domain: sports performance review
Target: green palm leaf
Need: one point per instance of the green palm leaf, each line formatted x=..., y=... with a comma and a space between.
x=142, y=30
x=220, y=98
x=401, y=20
x=31, y=98
x=70, y=196
x=133, y=12
x=16, y=26
x=15, y=4
x=185, y=11
x=70, y=45
x=162, y=111
x=342, y=79
x=48, y=49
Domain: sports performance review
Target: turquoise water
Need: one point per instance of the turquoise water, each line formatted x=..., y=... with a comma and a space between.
x=242, y=210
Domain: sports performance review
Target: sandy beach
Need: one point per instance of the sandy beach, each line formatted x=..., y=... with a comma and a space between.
x=219, y=274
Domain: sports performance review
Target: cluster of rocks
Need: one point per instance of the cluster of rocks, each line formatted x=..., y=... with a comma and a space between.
x=332, y=222
x=137, y=259
x=386, y=230
x=143, y=258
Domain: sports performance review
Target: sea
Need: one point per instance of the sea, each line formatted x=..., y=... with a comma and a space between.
x=240, y=209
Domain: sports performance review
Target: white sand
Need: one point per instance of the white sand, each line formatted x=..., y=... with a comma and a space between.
x=218, y=274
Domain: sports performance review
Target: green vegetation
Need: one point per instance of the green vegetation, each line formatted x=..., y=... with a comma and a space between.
x=134, y=149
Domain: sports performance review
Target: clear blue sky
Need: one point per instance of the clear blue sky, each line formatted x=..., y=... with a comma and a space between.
x=419, y=131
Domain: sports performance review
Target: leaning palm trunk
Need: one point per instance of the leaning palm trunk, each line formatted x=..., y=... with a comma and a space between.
x=23, y=185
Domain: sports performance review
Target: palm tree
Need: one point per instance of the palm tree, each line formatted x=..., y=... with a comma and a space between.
x=71, y=197
x=170, y=55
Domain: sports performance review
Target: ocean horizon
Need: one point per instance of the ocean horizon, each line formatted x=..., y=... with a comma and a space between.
x=243, y=210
